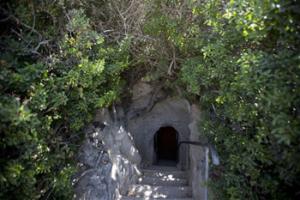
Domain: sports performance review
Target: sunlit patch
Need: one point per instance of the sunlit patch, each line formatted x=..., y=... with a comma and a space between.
x=114, y=170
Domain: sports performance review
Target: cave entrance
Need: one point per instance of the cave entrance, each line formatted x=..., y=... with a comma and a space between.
x=165, y=145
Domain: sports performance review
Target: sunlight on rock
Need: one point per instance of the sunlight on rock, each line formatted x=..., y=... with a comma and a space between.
x=147, y=193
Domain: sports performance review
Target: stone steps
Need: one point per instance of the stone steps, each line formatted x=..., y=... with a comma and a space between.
x=159, y=191
x=164, y=173
x=142, y=198
x=161, y=183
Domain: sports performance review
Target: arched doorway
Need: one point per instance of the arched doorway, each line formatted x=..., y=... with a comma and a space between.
x=165, y=146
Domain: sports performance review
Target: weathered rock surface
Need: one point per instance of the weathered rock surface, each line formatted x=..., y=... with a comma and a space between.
x=108, y=159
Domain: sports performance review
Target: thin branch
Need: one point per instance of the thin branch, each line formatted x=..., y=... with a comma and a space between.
x=18, y=21
x=170, y=67
x=33, y=23
x=173, y=62
x=39, y=45
x=5, y=19
x=129, y=7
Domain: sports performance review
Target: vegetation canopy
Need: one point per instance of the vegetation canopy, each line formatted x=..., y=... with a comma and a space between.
x=238, y=60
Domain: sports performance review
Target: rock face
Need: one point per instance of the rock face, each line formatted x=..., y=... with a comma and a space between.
x=108, y=159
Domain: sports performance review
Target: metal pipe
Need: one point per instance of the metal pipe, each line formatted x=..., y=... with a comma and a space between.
x=214, y=157
x=213, y=153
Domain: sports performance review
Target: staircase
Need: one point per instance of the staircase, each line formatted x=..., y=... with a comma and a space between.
x=159, y=182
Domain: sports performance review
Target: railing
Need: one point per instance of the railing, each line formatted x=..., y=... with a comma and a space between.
x=191, y=142
x=214, y=155
x=214, y=158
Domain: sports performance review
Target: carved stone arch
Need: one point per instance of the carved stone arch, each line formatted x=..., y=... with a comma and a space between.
x=171, y=112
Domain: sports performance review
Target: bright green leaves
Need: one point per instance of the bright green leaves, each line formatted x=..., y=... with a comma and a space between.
x=62, y=180
x=10, y=110
x=191, y=74
x=97, y=67
x=238, y=59
x=249, y=82
x=249, y=17
x=78, y=22
x=13, y=173
x=220, y=100
x=108, y=97
x=167, y=27
x=95, y=70
x=83, y=74
x=47, y=97
x=81, y=40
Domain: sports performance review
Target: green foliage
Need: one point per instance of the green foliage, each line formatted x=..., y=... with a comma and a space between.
x=241, y=60
x=49, y=94
x=248, y=78
x=238, y=59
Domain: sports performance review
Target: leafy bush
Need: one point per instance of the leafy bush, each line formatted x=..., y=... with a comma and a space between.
x=239, y=60
x=48, y=94
x=247, y=76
